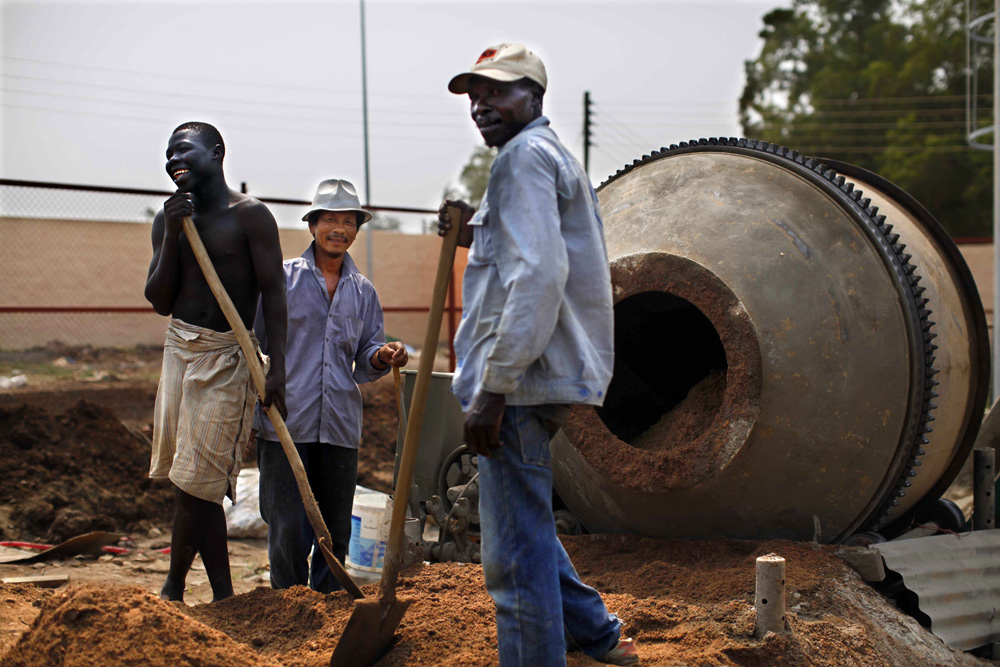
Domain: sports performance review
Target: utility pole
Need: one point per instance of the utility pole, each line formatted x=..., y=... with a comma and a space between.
x=586, y=131
x=996, y=199
x=364, y=112
x=974, y=30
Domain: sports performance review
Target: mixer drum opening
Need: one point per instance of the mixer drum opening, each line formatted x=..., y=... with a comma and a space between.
x=686, y=388
x=670, y=372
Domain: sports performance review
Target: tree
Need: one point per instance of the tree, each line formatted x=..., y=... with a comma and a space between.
x=474, y=177
x=880, y=84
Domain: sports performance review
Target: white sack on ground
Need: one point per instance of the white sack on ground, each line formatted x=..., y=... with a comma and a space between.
x=243, y=519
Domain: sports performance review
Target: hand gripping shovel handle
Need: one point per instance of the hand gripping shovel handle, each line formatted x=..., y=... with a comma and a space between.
x=415, y=417
x=250, y=354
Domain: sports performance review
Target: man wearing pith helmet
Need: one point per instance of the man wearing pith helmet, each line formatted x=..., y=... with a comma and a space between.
x=536, y=337
x=336, y=341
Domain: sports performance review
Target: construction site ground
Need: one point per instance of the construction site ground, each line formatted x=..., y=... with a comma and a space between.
x=74, y=456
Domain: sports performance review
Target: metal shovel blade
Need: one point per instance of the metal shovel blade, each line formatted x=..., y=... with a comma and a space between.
x=373, y=624
x=369, y=632
x=88, y=543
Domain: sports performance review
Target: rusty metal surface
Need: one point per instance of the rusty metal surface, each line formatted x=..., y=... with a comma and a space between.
x=851, y=386
x=823, y=309
x=964, y=352
x=956, y=584
x=440, y=433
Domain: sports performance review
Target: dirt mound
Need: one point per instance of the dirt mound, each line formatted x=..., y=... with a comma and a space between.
x=75, y=472
x=104, y=625
x=686, y=603
x=131, y=400
x=77, y=468
x=706, y=571
x=18, y=606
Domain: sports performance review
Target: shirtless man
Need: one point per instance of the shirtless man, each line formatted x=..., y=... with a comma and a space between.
x=205, y=379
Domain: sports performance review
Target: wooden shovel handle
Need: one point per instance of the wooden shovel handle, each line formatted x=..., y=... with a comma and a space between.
x=257, y=373
x=415, y=417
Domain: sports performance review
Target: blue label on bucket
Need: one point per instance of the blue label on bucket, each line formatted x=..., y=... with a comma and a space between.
x=364, y=552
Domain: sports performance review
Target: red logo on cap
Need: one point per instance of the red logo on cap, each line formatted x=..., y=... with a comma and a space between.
x=487, y=54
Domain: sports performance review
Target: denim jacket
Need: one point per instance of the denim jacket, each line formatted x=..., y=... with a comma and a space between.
x=537, y=322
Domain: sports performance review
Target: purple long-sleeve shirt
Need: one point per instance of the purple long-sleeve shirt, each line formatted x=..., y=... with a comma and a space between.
x=328, y=353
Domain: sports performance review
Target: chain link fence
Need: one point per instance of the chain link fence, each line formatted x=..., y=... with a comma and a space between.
x=76, y=259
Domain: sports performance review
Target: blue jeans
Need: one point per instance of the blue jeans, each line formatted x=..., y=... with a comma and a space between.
x=539, y=597
x=332, y=473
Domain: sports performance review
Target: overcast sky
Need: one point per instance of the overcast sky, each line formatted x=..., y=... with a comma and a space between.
x=91, y=90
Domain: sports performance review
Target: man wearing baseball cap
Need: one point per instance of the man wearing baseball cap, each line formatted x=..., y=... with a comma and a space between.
x=536, y=337
x=336, y=340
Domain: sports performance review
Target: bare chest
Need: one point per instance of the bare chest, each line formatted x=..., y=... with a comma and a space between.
x=224, y=239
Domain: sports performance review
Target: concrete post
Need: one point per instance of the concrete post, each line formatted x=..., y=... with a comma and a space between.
x=770, y=597
x=983, y=481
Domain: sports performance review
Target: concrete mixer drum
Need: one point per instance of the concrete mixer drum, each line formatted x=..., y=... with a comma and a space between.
x=801, y=352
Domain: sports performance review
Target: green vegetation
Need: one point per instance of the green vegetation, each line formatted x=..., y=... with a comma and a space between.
x=474, y=177
x=880, y=84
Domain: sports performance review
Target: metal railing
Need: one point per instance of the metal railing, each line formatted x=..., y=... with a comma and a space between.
x=71, y=260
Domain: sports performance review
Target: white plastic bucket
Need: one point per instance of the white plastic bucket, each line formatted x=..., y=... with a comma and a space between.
x=366, y=552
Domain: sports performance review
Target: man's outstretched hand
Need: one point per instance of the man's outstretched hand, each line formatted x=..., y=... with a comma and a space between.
x=445, y=222
x=482, y=423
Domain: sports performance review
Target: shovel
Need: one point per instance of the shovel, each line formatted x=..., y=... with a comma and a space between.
x=250, y=354
x=373, y=623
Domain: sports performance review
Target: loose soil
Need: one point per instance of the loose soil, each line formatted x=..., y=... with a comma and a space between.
x=75, y=453
x=75, y=472
x=679, y=431
x=685, y=602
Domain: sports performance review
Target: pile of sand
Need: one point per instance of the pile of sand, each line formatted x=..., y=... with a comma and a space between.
x=686, y=603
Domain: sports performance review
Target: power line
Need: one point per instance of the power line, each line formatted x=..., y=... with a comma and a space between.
x=237, y=82
x=858, y=126
x=229, y=112
x=925, y=99
x=165, y=75
x=616, y=123
x=616, y=159
x=225, y=99
x=618, y=139
x=422, y=137
x=895, y=100
x=853, y=138
x=899, y=113
x=810, y=150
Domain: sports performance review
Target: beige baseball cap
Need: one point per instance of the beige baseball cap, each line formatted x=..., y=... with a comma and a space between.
x=503, y=62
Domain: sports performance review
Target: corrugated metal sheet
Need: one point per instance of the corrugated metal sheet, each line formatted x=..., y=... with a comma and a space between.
x=956, y=580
